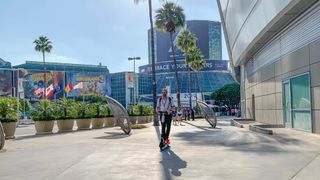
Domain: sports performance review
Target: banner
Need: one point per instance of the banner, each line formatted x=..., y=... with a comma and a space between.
x=130, y=81
x=33, y=80
x=165, y=67
x=93, y=83
x=5, y=83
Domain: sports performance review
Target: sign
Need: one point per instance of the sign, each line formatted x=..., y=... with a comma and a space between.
x=130, y=80
x=5, y=83
x=165, y=67
x=93, y=83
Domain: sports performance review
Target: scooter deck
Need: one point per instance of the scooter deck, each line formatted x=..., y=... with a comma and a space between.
x=164, y=147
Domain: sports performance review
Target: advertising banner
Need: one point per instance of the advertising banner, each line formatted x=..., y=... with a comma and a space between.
x=92, y=83
x=32, y=80
x=5, y=83
x=130, y=80
x=165, y=67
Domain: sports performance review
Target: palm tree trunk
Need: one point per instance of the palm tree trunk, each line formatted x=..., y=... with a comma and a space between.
x=199, y=85
x=175, y=68
x=189, y=86
x=45, y=75
x=154, y=84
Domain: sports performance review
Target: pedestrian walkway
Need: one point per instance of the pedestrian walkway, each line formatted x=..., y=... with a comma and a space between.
x=197, y=152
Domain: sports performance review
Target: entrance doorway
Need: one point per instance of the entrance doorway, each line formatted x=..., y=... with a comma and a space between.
x=297, y=103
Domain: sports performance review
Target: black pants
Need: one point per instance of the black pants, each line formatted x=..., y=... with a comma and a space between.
x=166, y=126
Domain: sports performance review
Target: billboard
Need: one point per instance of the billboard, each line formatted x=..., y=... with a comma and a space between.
x=30, y=80
x=5, y=83
x=93, y=83
x=165, y=67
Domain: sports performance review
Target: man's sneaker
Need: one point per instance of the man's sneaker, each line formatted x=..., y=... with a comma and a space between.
x=167, y=141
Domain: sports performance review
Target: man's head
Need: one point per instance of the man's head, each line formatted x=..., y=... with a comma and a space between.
x=164, y=92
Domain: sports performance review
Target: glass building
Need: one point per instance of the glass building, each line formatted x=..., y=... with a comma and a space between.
x=209, y=41
x=275, y=44
x=214, y=75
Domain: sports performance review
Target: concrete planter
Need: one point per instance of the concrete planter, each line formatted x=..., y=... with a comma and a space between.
x=83, y=124
x=65, y=125
x=150, y=118
x=97, y=123
x=44, y=127
x=109, y=121
x=133, y=119
x=9, y=129
x=142, y=119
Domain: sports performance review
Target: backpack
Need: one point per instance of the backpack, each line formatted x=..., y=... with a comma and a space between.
x=161, y=99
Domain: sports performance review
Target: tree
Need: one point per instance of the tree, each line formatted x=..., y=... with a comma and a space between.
x=195, y=59
x=169, y=18
x=229, y=93
x=154, y=84
x=187, y=42
x=43, y=44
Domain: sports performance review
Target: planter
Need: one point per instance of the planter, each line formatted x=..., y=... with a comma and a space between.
x=142, y=119
x=109, y=121
x=65, y=125
x=150, y=118
x=97, y=123
x=83, y=124
x=44, y=127
x=133, y=119
x=9, y=129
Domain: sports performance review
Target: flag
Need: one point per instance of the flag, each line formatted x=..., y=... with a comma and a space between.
x=69, y=87
x=39, y=91
x=78, y=86
x=49, y=90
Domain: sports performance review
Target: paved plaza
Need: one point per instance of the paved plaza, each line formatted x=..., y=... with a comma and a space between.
x=197, y=152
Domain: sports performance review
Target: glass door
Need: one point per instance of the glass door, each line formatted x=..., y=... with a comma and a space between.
x=300, y=102
x=297, y=103
x=287, y=104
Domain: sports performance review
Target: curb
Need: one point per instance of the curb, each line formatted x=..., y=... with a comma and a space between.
x=260, y=130
x=236, y=124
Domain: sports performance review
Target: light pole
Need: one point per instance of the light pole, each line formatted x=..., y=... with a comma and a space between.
x=134, y=76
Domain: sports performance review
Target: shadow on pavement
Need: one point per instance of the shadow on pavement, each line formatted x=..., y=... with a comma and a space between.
x=236, y=140
x=172, y=164
x=113, y=135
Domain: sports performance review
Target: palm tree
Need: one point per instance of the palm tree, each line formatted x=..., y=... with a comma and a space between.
x=187, y=42
x=169, y=18
x=43, y=44
x=196, y=61
x=154, y=84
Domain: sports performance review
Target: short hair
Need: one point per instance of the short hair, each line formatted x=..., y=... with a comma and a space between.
x=165, y=89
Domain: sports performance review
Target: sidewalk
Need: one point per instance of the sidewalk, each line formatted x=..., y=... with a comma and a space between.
x=197, y=152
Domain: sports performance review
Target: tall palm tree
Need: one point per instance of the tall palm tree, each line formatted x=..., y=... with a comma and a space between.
x=187, y=42
x=169, y=18
x=196, y=61
x=43, y=44
x=154, y=84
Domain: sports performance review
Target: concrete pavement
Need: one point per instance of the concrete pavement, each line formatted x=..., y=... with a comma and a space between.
x=197, y=152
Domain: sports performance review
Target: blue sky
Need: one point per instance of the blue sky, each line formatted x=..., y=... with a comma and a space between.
x=86, y=31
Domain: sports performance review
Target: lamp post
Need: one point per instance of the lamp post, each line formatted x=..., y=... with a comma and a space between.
x=134, y=76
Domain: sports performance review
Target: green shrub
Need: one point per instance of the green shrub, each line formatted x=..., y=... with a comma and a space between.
x=44, y=110
x=66, y=109
x=141, y=110
x=8, y=109
x=92, y=98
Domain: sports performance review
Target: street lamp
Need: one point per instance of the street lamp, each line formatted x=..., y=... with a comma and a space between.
x=134, y=76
